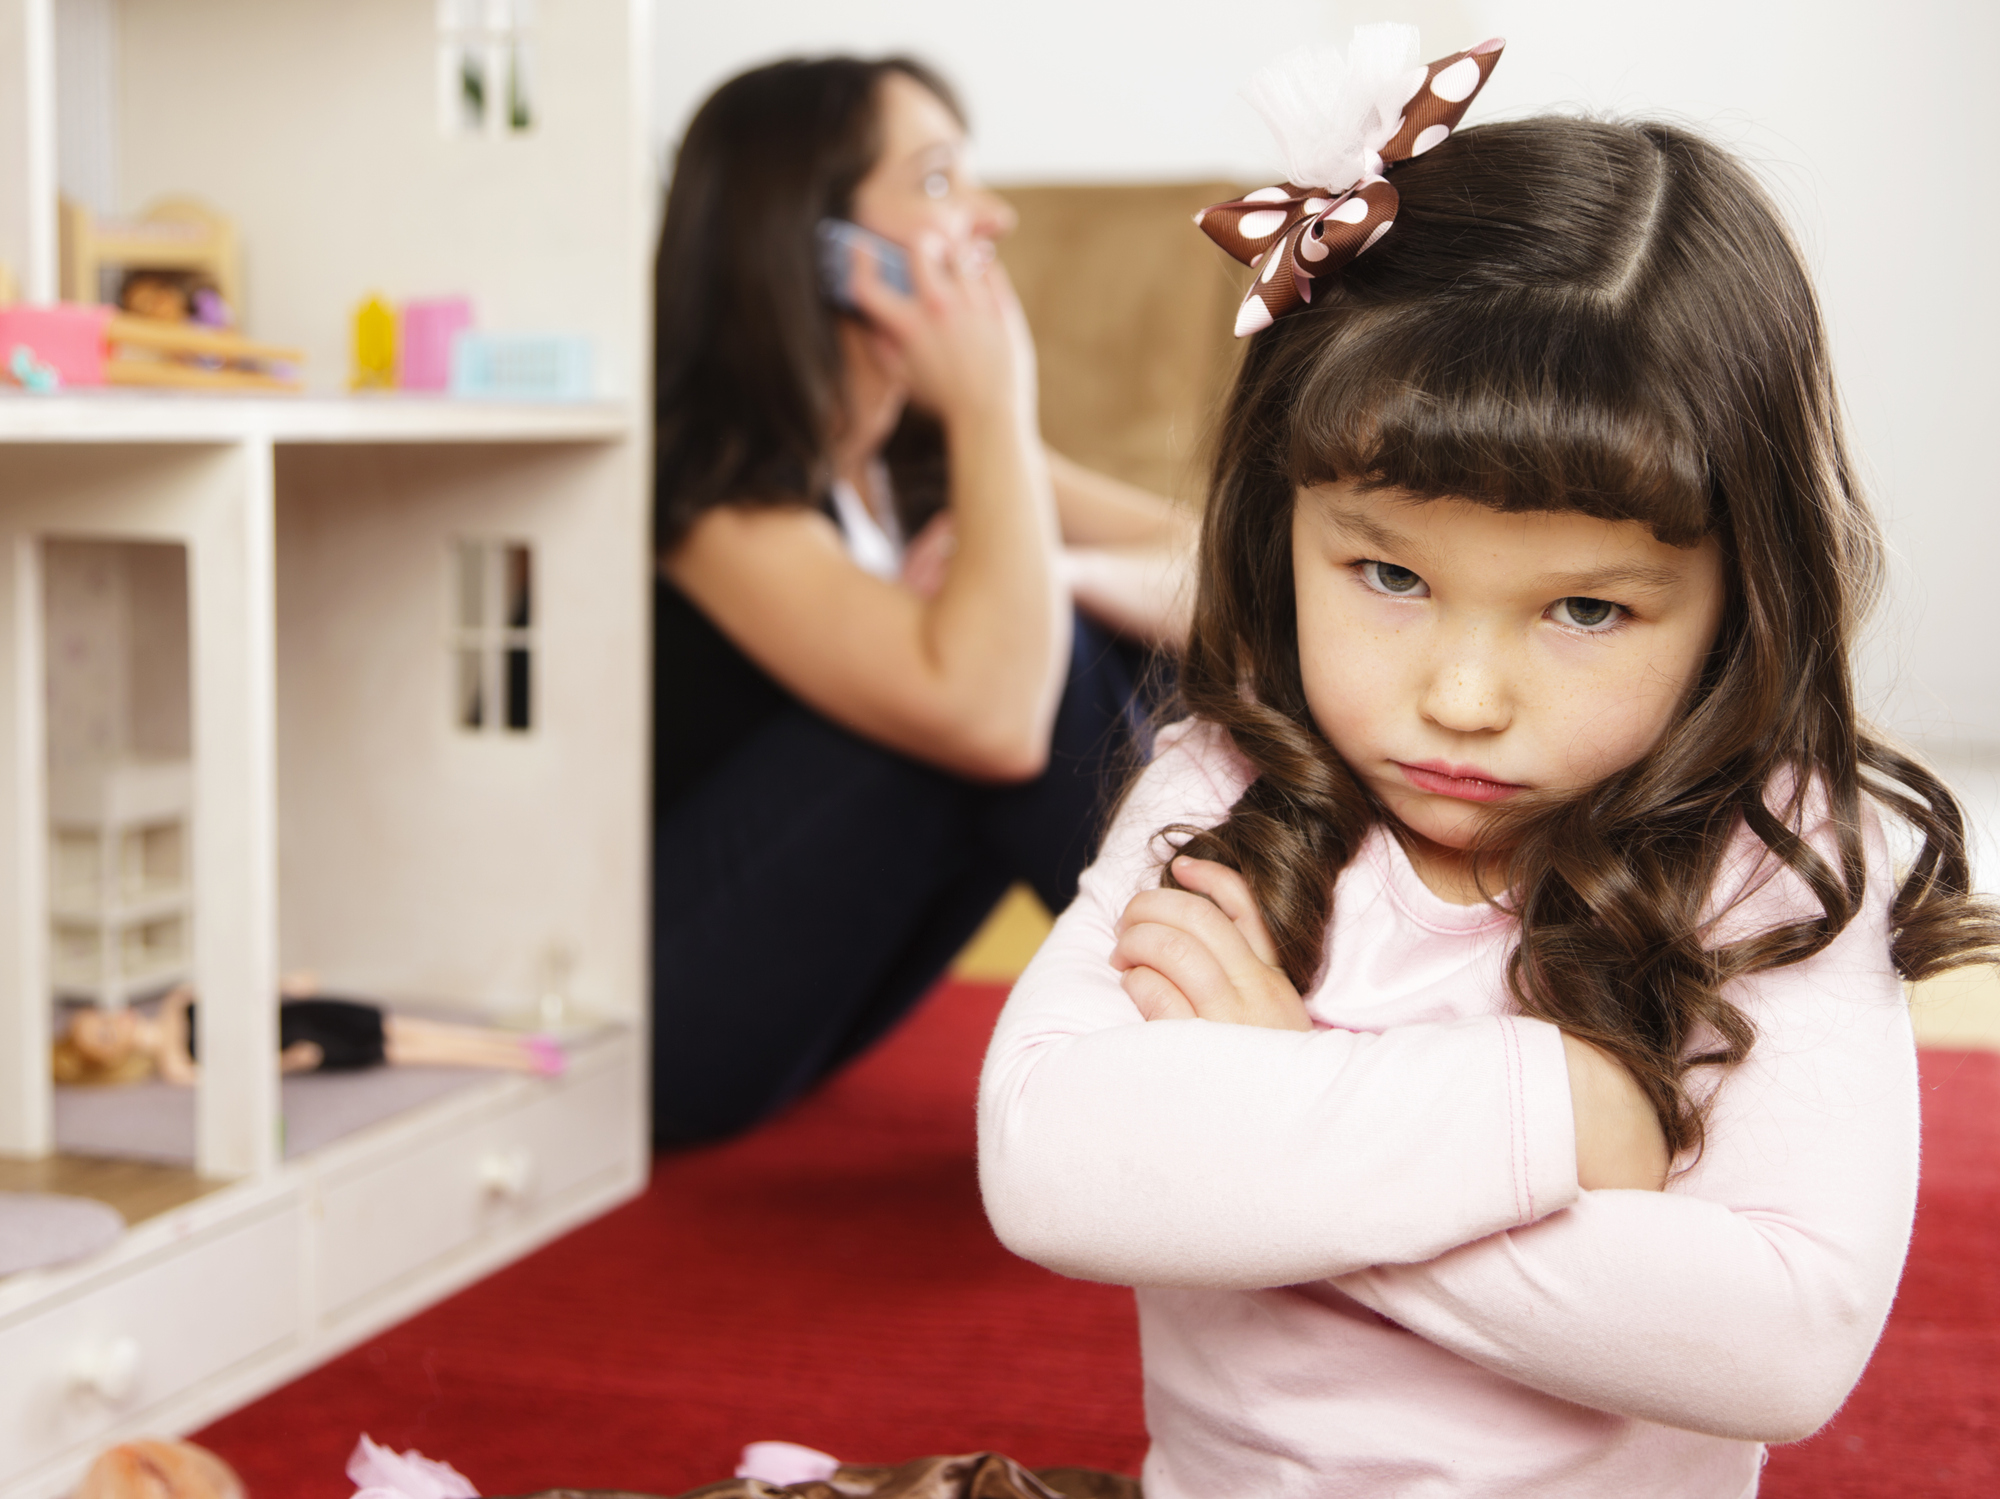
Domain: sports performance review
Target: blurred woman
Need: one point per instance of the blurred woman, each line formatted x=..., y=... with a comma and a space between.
x=898, y=641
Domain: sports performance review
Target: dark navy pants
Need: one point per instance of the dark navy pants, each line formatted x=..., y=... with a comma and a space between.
x=811, y=888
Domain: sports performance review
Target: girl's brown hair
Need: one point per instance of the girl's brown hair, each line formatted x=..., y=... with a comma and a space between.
x=1611, y=319
x=748, y=377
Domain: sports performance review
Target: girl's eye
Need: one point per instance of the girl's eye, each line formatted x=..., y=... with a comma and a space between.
x=936, y=185
x=1587, y=614
x=1397, y=582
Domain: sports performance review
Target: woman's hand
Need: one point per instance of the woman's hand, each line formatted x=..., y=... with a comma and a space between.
x=960, y=342
x=929, y=554
x=1619, y=1142
x=1202, y=951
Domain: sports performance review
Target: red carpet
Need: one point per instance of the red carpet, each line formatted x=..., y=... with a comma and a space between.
x=831, y=1281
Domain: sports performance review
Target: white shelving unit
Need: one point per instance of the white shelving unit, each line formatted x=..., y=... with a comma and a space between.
x=118, y=892
x=340, y=817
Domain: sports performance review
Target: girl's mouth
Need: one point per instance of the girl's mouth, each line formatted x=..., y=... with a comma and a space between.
x=1465, y=782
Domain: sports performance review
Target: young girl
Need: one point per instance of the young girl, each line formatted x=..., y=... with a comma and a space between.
x=1481, y=1039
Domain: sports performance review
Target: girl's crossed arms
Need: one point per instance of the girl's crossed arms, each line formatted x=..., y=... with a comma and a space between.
x=1202, y=952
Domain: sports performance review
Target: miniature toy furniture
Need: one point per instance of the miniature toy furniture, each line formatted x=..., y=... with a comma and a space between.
x=336, y=811
x=147, y=351
x=170, y=234
x=118, y=896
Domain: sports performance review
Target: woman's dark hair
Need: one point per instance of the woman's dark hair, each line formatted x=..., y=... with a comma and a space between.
x=748, y=382
x=1611, y=319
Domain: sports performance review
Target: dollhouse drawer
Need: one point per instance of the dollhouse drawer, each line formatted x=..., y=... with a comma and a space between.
x=72, y=1370
x=490, y=1179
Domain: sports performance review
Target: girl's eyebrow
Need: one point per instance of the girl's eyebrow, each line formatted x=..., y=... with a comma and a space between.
x=1648, y=575
x=1367, y=530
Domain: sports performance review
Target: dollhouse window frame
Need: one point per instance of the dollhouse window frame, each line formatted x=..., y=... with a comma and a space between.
x=494, y=618
x=486, y=68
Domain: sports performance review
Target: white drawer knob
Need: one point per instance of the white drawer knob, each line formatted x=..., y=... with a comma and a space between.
x=108, y=1370
x=507, y=1173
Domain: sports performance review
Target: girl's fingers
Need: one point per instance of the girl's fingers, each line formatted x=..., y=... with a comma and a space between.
x=1191, y=942
x=1203, y=919
x=1155, y=996
x=1231, y=894
x=1184, y=961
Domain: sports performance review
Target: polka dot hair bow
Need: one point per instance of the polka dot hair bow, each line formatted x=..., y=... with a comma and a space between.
x=1341, y=123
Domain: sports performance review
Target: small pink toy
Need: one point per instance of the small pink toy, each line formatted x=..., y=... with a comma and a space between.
x=428, y=329
x=781, y=1463
x=64, y=339
x=379, y=1472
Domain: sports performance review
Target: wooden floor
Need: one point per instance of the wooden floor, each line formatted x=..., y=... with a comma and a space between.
x=1959, y=1009
x=138, y=1189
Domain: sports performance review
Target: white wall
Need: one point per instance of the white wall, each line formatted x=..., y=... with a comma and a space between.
x=1862, y=117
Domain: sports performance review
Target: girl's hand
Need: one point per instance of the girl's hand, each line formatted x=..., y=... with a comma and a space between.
x=1619, y=1142
x=960, y=342
x=1202, y=951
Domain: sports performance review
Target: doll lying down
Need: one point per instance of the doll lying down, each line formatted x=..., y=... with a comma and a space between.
x=316, y=1033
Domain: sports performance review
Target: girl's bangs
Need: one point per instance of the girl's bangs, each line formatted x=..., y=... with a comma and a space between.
x=1526, y=412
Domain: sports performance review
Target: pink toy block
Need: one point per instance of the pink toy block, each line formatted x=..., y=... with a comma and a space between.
x=66, y=338
x=428, y=329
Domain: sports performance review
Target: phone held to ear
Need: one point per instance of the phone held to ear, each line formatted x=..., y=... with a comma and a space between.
x=841, y=244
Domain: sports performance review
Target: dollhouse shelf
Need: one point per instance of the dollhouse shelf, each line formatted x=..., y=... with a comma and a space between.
x=150, y=417
x=294, y=568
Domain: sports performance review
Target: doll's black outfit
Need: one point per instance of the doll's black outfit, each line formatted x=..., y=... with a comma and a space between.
x=348, y=1032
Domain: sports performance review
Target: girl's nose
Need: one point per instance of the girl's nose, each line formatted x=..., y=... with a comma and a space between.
x=1467, y=692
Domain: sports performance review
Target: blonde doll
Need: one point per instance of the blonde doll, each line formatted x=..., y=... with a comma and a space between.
x=315, y=1033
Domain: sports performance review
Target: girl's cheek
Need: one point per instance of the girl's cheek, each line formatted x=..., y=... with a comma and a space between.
x=1616, y=719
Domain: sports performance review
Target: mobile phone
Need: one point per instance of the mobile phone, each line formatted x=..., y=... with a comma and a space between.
x=841, y=244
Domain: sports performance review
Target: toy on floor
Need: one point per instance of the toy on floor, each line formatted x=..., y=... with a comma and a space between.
x=379, y=1472
x=151, y=1468
x=316, y=1033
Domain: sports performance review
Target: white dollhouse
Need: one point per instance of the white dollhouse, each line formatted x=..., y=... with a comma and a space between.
x=376, y=701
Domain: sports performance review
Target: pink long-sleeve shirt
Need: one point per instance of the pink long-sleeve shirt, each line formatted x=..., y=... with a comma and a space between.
x=1364, y=1265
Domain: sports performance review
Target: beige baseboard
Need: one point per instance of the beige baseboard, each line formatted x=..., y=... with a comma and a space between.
x=1959, y=1009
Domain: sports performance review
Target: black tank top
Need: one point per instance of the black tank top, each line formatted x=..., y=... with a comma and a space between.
x=708, y=697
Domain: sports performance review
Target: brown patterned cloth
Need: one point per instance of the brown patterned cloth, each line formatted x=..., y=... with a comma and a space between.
x=974, y=1475
x=1297, y=232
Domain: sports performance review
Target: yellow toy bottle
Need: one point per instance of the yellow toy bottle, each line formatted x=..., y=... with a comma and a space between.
x=374, y=346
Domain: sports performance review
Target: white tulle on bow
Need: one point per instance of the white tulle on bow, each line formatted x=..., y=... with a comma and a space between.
x=1332, y=114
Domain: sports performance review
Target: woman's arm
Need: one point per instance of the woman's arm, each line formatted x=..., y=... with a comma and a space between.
x=969, y=677
x=1128, y=554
